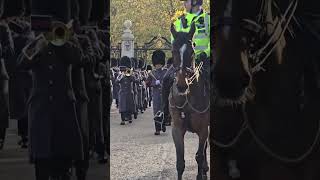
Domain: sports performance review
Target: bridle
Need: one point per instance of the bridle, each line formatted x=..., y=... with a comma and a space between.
x=257, y=27
x=259, y=57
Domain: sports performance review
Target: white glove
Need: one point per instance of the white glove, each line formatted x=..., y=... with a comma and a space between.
x=157, y=82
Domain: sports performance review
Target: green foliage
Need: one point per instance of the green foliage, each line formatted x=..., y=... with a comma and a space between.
x=149, y=18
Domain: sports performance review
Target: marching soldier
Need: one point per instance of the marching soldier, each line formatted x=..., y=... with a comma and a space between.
x=169, y=63
x=140, y=85
x=94, y=87
x=149, y=88
x=144, y=76
x=79, y=10
x=55, y=134
x=6, y=51
x=126, y=80
x=115, y=72
x=155, y=79
x=194, y=13
x=135, y=89
x=20, y=80
x=104, y=37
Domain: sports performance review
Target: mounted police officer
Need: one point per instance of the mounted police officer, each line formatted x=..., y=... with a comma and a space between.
x=126, y=80
x=155, y=79
x=6, y=51
x=194, y=14
x=55, y=134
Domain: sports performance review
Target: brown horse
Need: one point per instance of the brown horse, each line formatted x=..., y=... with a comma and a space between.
x=189, y=101
x=266, y=121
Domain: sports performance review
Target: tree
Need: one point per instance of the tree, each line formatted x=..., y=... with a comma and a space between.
x=149, y=18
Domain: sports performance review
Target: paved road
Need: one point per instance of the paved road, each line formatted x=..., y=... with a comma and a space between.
x=14, y=162
x=137, y=154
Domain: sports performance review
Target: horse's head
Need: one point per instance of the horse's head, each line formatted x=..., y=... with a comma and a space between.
x=231, y=73
x=183, y=57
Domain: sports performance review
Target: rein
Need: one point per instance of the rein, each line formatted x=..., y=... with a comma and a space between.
x=187, y=101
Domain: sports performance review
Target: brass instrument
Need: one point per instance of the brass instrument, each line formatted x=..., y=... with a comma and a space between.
x=128, y=72
x=60, y=33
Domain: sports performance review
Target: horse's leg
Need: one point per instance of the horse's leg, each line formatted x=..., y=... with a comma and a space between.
x=200, y=156
x=205, y=163
x=178, y=138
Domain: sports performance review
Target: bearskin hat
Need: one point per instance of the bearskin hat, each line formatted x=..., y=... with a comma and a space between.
x=141, y=63
x=12, y=8
x=98, y=10
x=59, y=9
x=158, y=57
x=149, y=67
x=134, y=62
x=114, y=62
x=170, y=61
x=126, y=62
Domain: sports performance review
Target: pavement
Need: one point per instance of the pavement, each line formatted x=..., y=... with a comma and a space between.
x=137, y=154
x=14, y=163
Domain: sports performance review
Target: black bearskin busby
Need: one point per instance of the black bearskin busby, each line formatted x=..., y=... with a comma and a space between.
x=158, y=57
x=125, y=61
x=149, y=67
x=13, y=8
x=59, y=9
x=114, y=62
x=134, y=62
x=141, y=63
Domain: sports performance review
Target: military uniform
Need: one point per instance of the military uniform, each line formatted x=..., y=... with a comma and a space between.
x=149, y=88
x=127, y=105
x=79, y=85
x=135, y=87
x=106, y=86
x=54, y=131
x=155, y=81
x=20, y=80
x=201, y=41
x=6, y=50
x=115, y=86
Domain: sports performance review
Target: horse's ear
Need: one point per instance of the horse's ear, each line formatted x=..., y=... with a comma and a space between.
x=173, y=31
x=192, y=30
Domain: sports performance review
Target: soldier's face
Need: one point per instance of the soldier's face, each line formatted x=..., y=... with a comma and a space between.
x=187, y=5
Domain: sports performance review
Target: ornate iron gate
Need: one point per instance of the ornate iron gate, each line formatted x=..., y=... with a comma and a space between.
x=144, y=51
